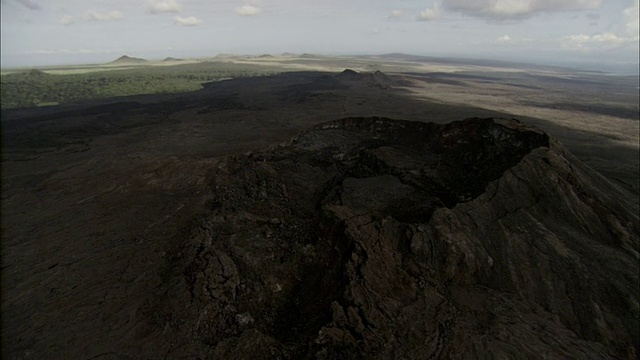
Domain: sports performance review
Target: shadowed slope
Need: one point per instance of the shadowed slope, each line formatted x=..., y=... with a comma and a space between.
x=375, y=238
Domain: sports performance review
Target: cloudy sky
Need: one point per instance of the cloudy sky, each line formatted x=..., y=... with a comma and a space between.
x=590, y=32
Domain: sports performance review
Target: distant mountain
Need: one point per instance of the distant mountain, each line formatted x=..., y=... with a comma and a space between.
x=309, y=56
x=349, y=74
x=125, y=59
x=375, y=79
x=381, y=77
x=171, y=59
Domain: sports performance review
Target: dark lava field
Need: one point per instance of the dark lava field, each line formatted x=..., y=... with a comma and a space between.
x=315, y=215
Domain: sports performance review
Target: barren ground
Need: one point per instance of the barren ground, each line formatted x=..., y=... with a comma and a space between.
x=92, y=194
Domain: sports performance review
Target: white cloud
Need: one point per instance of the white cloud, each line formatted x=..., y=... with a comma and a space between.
x=626, y=36
x=163, y=6
x=508, y=40
x=67, y=20
x=631, y=17
x=429, y=14
x=187, y=21
x=248, y=10
x=396, y=14
x=96, y=16
x=501, y=10
x=604, y=41
x=504, y=39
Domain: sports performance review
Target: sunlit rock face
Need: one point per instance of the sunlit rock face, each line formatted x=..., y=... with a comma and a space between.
x=375, y=238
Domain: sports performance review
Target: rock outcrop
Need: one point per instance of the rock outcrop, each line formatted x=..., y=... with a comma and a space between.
x=382, y=239
x=125, y=59
x=373, y=79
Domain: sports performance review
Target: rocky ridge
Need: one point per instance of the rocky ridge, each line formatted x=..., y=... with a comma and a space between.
x=378, y=238
x=125, y=59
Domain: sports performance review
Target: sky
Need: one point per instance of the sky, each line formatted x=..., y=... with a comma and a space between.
x=598, y=34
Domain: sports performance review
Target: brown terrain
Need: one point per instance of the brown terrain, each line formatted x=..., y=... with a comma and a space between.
x=326, y=216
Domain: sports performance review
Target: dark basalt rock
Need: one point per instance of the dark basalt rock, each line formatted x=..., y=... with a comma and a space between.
x=382, y=239
x=349, y=74
x=376, y=79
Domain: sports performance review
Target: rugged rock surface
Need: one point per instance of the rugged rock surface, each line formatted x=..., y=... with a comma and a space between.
x=381, y=239
x=372, y=79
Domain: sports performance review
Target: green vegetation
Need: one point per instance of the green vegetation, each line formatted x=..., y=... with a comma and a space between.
x=38, y=88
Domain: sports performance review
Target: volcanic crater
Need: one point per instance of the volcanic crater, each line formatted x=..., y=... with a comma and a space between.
x=377, y=238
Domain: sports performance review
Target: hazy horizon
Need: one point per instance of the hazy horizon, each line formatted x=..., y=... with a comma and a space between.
x=612, y=68
x=585, y=34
